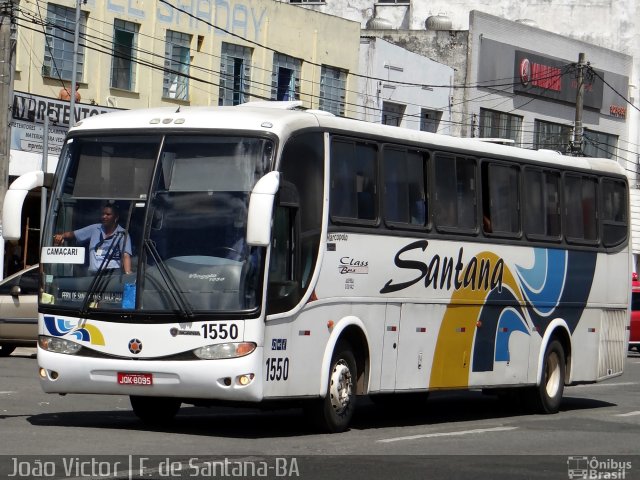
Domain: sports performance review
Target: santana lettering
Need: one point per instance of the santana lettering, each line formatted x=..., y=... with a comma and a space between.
x=443, y=272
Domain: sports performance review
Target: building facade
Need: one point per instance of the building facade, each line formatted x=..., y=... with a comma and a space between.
x=388, y=93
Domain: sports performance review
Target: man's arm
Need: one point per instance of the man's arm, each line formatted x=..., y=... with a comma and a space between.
x=126, y=263
x=58, y=238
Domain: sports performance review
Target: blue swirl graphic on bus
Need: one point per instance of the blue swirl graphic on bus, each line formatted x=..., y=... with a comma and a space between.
x=59, y=327
x=543, y=283
x=496, y=324
x=510, y=321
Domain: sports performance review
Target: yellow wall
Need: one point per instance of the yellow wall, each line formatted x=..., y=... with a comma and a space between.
x=288, y=29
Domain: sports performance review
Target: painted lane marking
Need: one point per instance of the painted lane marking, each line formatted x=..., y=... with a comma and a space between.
x=619, y=384
x=7, y=392
x=628, y=414
x=448, y=434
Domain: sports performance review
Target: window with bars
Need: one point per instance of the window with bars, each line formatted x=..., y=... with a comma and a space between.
x=430, y=120
x=125, y=38
x=59, y=40
x=176, y=66
x=552, y=136
x=235, y=74
x=333, y=82
x=599, y=144
x=495, y=124
x=392, y=113
x=286, y=77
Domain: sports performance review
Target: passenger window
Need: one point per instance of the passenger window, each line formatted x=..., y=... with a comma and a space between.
x=501, y=199
x=541, y=204
x=455, y=189
x=614, y=212
x=580, y=209
x=404, y=187
x=354, y=182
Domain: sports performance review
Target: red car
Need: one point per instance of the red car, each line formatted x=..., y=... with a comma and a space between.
x=634, y=334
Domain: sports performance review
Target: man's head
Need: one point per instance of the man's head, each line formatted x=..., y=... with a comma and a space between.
x=110, y=215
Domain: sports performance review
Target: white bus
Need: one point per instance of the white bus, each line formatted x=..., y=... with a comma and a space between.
x=285, y=254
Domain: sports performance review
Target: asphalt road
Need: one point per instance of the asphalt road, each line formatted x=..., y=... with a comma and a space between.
x=455, y=435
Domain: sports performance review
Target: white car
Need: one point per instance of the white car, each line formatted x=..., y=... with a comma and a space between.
x=19, y=310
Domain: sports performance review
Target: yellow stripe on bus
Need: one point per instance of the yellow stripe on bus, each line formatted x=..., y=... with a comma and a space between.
x=454, y=348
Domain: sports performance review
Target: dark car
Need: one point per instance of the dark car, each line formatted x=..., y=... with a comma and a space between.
x=19, y=310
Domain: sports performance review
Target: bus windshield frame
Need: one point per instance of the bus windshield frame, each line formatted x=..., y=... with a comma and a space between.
x=176, y=244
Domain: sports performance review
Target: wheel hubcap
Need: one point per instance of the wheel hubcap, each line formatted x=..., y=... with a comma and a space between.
x=553, y=375
x=340, y=387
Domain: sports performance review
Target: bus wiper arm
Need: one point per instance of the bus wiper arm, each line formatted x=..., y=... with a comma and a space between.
x=175, y=292
x=95, y=283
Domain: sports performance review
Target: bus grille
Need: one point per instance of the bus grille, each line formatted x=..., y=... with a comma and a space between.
x=613, y=348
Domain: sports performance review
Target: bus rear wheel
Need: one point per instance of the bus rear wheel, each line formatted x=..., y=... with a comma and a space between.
x=333, y=413
x=155, y=410
x=547, y=396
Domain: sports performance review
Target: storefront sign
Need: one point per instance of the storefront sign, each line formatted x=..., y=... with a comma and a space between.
x=27, y=121
x=557, y=79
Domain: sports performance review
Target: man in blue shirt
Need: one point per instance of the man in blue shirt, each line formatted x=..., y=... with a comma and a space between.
x=101, y=238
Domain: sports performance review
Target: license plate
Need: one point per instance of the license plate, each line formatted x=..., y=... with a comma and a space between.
x=137, y=379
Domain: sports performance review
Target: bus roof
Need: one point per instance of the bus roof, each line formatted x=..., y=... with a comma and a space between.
x=282, y=118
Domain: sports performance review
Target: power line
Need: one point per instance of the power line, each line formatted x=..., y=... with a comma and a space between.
x=106, y=46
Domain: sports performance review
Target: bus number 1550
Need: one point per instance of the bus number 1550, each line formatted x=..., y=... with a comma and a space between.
x=277, y=369
x=221, y=331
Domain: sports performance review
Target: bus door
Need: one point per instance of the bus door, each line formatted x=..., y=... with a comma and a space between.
x=417, y=341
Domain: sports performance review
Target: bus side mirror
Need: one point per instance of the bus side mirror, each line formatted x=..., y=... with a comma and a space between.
x=14, y=200
x=261, y=210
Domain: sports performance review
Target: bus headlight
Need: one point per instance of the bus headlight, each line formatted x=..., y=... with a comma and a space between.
x=224, y=350
x=58, y=345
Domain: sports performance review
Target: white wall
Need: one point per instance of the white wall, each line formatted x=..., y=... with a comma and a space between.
x=380, y=60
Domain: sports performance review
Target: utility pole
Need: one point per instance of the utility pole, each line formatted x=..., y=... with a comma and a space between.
x=576, y=144
x=74, y=68
x=7, y=59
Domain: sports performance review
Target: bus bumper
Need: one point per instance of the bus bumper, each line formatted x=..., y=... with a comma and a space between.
x=237, y=379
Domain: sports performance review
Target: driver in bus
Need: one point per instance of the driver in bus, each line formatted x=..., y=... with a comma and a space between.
x=101, y=238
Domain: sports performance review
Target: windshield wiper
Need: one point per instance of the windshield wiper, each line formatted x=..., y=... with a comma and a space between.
x=95, y=283
x=178, y=298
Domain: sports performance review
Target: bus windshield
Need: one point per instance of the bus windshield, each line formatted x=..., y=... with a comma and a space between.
x=154, y=223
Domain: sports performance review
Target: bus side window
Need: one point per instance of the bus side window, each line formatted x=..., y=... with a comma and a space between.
x=580, y=208
x=541, y=205
x=283, y=290
x=455, y=188
x=500, y=199
x=353, y=181
x=404, y=187
x=614, y=214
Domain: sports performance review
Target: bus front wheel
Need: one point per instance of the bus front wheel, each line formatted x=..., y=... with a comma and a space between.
x=547, y=396
x=155, y=410
x=333, y=413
